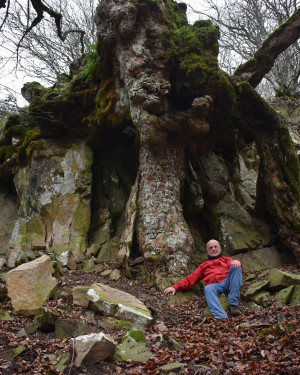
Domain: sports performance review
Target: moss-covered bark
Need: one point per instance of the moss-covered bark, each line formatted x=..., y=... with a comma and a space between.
x=254, y=70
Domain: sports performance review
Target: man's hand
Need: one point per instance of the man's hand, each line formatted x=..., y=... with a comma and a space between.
x=170, y=290
x=236, y=263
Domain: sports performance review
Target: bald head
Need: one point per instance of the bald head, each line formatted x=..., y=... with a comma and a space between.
x=213, y=248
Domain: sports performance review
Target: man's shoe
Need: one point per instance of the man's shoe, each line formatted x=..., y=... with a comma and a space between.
x=234, y=310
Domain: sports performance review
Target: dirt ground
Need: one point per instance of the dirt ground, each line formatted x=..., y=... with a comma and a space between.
x=260, y=341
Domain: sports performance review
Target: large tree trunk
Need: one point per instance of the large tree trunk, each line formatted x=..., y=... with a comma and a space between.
x=154, y=213
x=133, y=54
x=161, y=227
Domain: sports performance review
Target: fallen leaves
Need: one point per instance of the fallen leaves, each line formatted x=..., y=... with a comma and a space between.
x=264, y=342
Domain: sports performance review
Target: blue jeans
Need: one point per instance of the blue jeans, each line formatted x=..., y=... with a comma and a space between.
x=230, y=286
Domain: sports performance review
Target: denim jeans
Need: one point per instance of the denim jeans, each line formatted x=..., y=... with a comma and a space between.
x=230, y=286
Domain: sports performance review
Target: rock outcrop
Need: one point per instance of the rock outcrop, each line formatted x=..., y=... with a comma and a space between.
x=54, y=193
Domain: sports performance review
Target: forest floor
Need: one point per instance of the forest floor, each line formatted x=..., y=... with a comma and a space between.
x=260, y=341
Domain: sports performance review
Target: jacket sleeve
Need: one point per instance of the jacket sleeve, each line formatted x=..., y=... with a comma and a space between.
x=190, y=280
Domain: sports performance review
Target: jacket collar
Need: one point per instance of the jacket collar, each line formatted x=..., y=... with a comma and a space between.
x=216, y=257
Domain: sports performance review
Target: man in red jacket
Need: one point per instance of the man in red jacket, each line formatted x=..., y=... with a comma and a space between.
x=220, y=274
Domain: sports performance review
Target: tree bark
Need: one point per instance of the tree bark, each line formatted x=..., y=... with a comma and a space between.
x=254, y=70
x=162, y=231
x=154, y=214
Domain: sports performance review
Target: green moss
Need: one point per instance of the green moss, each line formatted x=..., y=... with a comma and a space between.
x=17, y=130
x=6, y=151
x=4, y=315
x=24, y=151
x=225, y=96
x=262, y=113
x=288, y=162
x=174, y=14
x=266, y=332
x=136, y=335
x=93, y=59
x=43, y=315
x=104, y=107
x=192, y=52
x=12, y=120
x=195, y=49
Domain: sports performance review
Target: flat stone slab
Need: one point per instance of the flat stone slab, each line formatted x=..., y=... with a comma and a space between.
x=255, y=288
x=279, y=279
x=121, y=305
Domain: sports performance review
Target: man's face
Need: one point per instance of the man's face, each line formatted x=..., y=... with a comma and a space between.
x=213, y=248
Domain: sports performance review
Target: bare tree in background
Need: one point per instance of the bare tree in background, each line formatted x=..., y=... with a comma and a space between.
x=44, y=48
x=244, y=25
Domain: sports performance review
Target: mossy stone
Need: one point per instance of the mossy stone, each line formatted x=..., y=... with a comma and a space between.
x=171, y=367
x=45, y=320
x=114, y=324
x=71, y=328
x=255, y=288
x=64, y=360
x=132, y=348
x=261, y=298
x=295, y=298
x=109, y=251
x=136, y=334
x=284, y=295
x=279, y=279
x=4, y=315
x=11, y=354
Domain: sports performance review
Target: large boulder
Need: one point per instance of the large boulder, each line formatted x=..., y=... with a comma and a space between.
x=30, y=285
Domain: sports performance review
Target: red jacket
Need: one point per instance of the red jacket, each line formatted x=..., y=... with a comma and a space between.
x=210, y=271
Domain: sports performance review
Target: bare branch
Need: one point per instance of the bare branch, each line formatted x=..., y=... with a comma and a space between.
x=263, y=60
x=2, y=5
x=40, y=8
